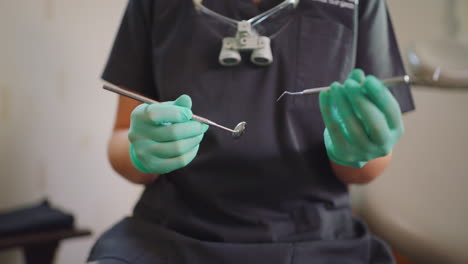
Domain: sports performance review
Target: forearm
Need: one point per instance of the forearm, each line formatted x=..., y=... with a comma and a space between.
x=364, y=175
x=119, y=157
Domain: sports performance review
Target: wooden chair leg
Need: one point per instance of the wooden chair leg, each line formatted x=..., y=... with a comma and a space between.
x=40, y=253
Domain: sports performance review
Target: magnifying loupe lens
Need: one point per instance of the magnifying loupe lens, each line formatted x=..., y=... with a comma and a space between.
x=229, y=57
x=262, y=56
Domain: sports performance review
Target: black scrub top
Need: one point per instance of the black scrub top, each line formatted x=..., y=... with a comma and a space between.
x=270, y=196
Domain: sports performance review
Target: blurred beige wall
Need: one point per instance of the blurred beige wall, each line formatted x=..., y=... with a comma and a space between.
x=55, y=120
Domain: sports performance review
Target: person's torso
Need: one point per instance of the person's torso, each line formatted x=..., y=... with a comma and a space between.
x=275, y=182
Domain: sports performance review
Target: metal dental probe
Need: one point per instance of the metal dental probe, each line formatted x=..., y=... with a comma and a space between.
x=236, y=132
x=387, y=82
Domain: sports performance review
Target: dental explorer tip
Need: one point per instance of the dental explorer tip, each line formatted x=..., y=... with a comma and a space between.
x=277, y=100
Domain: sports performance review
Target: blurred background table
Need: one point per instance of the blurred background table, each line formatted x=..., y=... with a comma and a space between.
x=40, y=247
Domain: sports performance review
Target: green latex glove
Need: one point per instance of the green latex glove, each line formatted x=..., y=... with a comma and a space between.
x=163, y=137
x=362, y=119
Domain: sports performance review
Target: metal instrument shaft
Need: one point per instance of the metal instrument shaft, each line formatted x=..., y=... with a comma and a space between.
x=386, y=82
x=239, y=129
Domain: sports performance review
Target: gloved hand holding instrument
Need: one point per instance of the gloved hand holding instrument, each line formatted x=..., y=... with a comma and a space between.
x=166, y=136
x=362, y=118
x=163, y=137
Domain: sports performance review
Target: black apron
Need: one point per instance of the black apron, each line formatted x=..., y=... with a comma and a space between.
x=134, y=240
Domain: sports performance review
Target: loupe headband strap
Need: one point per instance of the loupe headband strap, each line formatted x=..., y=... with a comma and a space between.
x=254, y=20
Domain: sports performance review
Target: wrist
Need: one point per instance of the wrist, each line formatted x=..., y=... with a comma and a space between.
x=373, y=169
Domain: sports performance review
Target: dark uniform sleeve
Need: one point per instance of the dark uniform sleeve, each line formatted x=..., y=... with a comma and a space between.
x=378, y=53
x=130, y=61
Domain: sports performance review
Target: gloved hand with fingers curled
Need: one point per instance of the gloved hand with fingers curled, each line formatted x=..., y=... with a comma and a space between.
x=362, y=118
x=163, y=138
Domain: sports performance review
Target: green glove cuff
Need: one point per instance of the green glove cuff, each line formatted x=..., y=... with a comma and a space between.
x=357, y=164
x=135, y=161
x=329, y=145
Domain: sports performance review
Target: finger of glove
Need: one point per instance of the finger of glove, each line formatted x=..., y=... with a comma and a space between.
x=330, y=118
x=139, y=130
x=357, y=75
x=167, y=113
x=373, y=120
x=139, y=113
x=163, y=166
x=184, y=101
x=385, y=101
x=174, y=149
x=353, y=127
x=140, y=148
x=176, y=131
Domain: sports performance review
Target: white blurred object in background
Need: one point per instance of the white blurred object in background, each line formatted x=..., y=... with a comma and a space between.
x=420, y=203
